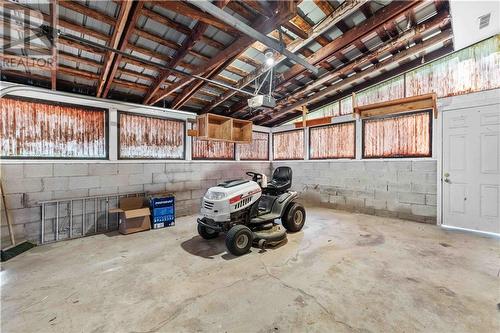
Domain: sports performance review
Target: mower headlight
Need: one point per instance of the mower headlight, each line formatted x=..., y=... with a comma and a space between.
x=215, y=195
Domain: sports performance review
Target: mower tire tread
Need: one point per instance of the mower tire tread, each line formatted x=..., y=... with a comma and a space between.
x=235, y=239
x=294, y=218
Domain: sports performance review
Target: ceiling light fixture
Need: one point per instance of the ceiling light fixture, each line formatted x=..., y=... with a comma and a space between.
x=269, y=57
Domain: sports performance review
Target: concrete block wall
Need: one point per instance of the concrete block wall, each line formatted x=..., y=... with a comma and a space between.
x=26, y=184
x=394, y=188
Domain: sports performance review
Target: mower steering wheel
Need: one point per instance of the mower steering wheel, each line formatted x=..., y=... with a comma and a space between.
x=255, y=176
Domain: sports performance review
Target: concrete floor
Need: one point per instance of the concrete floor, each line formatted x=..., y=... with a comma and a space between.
x=343, y=273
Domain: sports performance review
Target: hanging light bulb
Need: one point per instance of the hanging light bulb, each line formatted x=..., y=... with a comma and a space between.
x=269, y=57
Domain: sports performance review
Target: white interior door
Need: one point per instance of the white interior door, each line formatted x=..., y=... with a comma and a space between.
x=471, y=168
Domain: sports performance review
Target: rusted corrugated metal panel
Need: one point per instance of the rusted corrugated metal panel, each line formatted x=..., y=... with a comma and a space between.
x=288, y=145
x=33, y=129
x=346, y=105
x=258, y=149
x=149, y=137
x=212, y=150
x=386, y=91
x=406, y=135
x=333, y=141
x=473, y=69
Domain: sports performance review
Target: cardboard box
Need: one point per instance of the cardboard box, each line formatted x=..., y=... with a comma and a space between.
x=134, y=215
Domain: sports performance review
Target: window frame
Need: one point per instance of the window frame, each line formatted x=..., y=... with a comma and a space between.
x=118, y=143
x=268, y=153
x=394, y=115
x=303, y=144
x=333, y=158
x=86, y=108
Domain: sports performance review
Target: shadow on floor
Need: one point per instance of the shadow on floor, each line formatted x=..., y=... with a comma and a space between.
x=206, y=248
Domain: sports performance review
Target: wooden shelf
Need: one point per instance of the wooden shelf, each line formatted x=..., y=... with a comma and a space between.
x=215, y=127
x=242, y=131
x=314, y=122
x=414, y=103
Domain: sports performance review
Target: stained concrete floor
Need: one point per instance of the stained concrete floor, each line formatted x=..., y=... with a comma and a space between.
x=343, y=273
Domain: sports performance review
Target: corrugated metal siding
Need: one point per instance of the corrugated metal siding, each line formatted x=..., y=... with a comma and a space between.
x=147, y=137
x=346, y=105
x=333, y=141
x=475, y=68
x=288, y=145
x=386, y=91
x=212, y=150
x=258, y=149
x=398, y=136
x=31, y=129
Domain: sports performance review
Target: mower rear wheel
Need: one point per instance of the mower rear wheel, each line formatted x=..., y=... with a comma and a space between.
x=294, y=218
x=207, y=233
x=239, y=240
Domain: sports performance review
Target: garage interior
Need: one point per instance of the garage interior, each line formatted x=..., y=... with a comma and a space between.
x=303, y=166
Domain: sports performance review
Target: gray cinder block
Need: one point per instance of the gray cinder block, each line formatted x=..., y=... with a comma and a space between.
x=74, y=169
x=84, y=182
x=22, y=185
x=38, y=170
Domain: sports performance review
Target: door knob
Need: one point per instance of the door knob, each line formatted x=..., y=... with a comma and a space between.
x=446, y=180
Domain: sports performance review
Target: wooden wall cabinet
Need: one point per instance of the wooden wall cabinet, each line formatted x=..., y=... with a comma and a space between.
x=215, y=127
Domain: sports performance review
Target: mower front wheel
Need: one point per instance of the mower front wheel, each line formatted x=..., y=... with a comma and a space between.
x=207, y=233
x=294, y=218
x=239, y=240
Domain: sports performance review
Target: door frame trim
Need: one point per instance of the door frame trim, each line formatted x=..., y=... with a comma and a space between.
x=450, y=104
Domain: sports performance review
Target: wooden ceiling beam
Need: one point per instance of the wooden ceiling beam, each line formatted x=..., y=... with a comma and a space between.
x=401, y=57
x=186, y=47
x=166, y=21
x=156, y=38
x=325, y=6
x=440, y=21
x=341, y=12
x=87, y=11
x=135, y=13
x=184, y=9
x=388, y=13
x=285, y=11
x=118, y=30
x=261, y=7
x=233, y=50
x=241, y=10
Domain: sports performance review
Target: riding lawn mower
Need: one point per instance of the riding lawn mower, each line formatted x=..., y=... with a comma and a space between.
x=246, y=210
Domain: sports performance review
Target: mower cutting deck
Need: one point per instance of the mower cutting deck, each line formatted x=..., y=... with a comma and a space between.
x=246, y=211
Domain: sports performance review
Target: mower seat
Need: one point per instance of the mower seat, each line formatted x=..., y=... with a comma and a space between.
x=282, y=180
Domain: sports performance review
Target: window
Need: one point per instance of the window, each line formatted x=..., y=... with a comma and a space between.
x=288, y=145
x=31, y=129
x=406, y=135
x=333, y=141
x=150, y=137
x=212, y=150
x=258, y=149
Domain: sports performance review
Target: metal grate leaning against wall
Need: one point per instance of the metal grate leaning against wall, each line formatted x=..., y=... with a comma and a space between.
x=333, y=141
x=30, y=129
x=150, y=137
x=288, y=145
x=212, y=150
x=258, y=149
x=407, y=135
